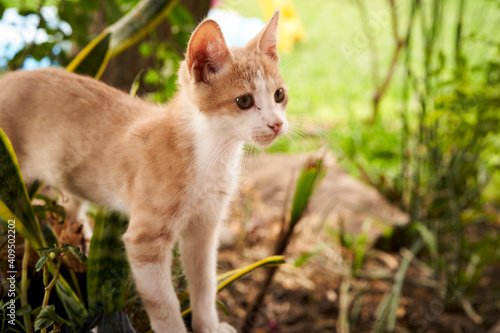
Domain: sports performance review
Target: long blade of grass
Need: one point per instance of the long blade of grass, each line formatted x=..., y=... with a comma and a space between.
x=225, y=279
x=386, y=312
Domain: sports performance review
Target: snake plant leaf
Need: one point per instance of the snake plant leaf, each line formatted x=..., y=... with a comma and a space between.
x=124, y=33
x=107, y=266
x=225, y=279
x=93, y=59
x=15, y=204
x=74, y=308
x=311, y=175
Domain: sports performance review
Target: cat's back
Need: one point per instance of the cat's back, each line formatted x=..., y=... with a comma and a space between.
x=58, y=120
x=57, y=90
x=45, y=105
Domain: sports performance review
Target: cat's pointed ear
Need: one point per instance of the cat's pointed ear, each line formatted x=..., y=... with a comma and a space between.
x=265, y=41
x=207, y=51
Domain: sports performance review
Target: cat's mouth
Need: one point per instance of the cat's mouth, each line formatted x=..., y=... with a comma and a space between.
x=267, y=139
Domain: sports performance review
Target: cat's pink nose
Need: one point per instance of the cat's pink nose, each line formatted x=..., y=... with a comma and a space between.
x=276, y=127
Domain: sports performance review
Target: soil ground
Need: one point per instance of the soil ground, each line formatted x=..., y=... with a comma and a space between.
x=308, y=298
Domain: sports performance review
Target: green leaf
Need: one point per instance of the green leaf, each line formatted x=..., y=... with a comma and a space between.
x=107, y=266
x=49, y=235
x=26, y=309
x=46, y=317
x=41, y=261
x=145, y=49
x=134, y=26
x=224, y=280
x=180, y=16
x=74, y=307
x=36, y=310
x=112, y=11
x=14, y=201
x=427, y=236
x=41, y=211
x=48, y=250
x=129, y=30
x=92, y=60
x=43, y=323
x=136, y=83
x=309, y=178
x=76, y=251
x=152, y=77
x=222, y=307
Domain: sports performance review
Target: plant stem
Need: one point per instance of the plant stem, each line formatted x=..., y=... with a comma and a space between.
x=280, y=249
x=24, y=286
x=51, y=285
x=344, y=303
x=48, y=289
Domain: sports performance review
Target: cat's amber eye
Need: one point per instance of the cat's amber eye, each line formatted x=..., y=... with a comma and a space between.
x=279, y=95
x=244, y=102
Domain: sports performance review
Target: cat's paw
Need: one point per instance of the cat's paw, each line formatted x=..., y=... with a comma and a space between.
x=225, y=328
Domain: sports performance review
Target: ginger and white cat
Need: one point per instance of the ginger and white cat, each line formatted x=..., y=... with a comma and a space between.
x=172, y=168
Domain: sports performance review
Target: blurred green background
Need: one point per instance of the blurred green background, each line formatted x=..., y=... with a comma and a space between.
x=405, y=94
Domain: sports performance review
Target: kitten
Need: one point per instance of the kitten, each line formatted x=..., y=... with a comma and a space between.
x=171, y=168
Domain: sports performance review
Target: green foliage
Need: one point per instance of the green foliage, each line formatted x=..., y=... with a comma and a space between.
x=14, y=198
x=51, y=253
x=386, y=311
x=14, y=201
x=107, y=268
x=49, y=208
x=309, y=178
x=167, y=54
x=127, y=31
x=225, y=279
x=48, y=317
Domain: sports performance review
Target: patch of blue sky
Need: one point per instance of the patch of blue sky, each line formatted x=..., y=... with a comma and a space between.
x=237, y=30
x=16, y=31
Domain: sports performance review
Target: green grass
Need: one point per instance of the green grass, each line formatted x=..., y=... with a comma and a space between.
x=330, y=80
x=329, y=75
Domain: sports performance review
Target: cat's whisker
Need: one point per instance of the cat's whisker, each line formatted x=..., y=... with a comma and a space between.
x=300, y=138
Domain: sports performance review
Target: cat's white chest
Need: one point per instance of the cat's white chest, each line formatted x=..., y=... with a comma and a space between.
x=217, y=162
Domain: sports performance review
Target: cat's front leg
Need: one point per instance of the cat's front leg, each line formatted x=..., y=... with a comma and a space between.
x=199, y=256
x=149, y=250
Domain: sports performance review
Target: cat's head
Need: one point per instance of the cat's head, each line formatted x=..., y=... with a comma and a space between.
x=239, y=89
